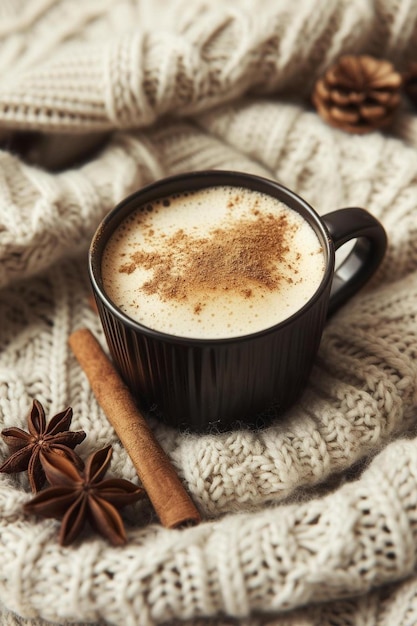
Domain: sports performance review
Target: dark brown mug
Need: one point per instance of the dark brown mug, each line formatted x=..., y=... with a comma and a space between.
x=218, y=384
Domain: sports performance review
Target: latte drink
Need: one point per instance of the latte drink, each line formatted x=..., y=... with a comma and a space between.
x=219, y=262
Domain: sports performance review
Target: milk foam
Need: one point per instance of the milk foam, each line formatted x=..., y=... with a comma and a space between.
x=215, y=263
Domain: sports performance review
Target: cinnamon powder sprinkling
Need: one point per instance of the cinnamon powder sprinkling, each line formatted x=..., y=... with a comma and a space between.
x=246, y=257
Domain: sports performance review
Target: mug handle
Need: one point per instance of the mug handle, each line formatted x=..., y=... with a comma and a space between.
x=365, y=257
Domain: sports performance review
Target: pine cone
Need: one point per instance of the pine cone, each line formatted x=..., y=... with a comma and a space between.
x=410, y=82
x=358, y=93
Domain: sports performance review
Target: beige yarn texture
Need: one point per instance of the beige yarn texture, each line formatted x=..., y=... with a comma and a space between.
x=313, y=520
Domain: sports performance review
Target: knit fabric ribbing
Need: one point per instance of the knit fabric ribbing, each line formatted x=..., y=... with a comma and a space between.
x=312, y=520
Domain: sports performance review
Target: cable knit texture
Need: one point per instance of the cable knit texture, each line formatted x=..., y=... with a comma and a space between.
x=313, y=520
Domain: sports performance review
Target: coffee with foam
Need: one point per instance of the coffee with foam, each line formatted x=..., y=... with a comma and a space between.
x=219, y=262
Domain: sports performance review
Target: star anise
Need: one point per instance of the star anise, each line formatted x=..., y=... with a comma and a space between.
x=28, y=448
x=77, y=496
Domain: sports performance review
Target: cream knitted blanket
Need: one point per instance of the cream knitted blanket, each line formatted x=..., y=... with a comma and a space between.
x=312, y=521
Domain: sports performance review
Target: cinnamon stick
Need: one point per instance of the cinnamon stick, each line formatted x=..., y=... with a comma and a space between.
x=170, y=500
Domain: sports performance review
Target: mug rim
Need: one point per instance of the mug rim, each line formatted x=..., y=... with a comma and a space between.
x=192, y=181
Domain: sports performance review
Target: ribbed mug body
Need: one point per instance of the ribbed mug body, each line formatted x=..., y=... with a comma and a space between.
x=213, y=384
